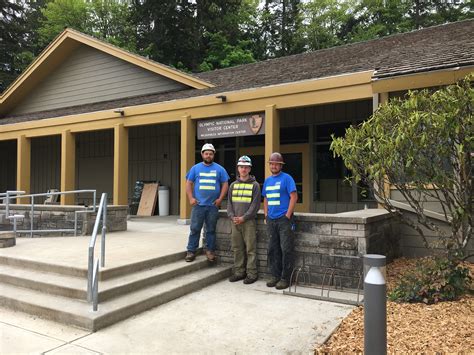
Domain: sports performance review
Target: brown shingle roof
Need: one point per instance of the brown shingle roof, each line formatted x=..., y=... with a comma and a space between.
x=433, y=48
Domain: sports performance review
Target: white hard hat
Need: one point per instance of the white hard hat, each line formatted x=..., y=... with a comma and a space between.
x=244, y=161
x=208, y=146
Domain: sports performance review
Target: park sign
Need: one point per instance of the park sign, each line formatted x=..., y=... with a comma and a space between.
x=245, y=125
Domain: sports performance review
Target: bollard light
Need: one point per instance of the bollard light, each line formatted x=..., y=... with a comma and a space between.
x=375, y=305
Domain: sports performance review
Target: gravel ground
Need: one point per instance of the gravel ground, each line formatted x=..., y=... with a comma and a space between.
x=446, y=327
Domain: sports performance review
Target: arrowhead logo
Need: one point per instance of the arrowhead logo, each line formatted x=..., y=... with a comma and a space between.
x=256, y=123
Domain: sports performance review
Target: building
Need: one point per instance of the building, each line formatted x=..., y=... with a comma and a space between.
x=86, y=114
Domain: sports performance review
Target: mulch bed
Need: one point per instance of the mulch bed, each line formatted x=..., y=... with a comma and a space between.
x=445, y=327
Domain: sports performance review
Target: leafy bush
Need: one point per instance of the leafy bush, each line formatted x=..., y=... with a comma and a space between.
x=431, y=281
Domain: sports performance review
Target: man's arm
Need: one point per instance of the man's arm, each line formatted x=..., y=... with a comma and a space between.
x=265, y=207
x=189, y=193
x=224, y=188
x=291, y=207
x=230, y=207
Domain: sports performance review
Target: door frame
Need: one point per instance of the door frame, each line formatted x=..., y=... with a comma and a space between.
x=302, y=148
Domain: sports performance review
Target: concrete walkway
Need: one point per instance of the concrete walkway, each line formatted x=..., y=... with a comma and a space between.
x=224, y=318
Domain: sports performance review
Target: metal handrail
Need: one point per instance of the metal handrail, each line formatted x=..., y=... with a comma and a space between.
x=21, y=194
x=93, y=270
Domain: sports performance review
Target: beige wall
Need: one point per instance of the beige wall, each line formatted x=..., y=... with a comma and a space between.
x=89, y=76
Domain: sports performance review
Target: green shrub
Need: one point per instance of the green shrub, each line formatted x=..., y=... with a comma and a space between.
x=431, y=281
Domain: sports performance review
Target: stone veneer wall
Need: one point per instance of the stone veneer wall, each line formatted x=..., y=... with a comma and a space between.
x=325, y=243
x=62, y=217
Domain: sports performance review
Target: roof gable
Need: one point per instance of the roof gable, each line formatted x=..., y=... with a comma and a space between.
x=62, y=47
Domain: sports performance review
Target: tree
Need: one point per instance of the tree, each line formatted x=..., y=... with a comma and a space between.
x=422, y=146
x=11, y=29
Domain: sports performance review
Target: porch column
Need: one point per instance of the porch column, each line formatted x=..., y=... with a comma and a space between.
x=23, y=166
x=120, y=165
x=378, y=100
x=188, y=147
x=68, y=166
x=272, y=134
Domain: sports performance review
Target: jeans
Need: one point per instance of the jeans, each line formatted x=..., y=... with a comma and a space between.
x=281, y=247
x=199, y=216
x=244, y=246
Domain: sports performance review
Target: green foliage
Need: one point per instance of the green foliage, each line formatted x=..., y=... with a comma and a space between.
x=223, y=55
x=421, y=145
x=432, y=280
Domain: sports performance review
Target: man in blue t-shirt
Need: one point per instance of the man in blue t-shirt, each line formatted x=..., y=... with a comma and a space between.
x=206, y=186
x=280, y=197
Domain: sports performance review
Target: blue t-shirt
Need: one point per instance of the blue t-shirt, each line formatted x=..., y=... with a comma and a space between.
x=207, y=181
x=277, y=190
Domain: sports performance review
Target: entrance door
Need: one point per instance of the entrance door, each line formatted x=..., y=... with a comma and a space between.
x=296, y=157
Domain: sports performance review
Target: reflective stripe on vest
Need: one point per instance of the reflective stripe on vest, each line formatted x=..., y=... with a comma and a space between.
x=205, y=187
x=242, y=192
x=209, y=181
x=208, y=174
x=274, y=203
x=271, y=188
x=277, y=194
x=241, y=199
x=242, y=186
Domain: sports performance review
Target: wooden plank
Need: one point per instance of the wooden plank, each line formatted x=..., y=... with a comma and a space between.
x=148, y=200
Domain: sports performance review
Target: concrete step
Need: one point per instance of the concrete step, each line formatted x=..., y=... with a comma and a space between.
x=79, y=313
x=104, y=274
x=76, y=287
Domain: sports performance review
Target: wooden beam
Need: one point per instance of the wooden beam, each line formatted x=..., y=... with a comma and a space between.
x=272, y=134
x=120, y=165
x=23, y=166
x=68, y=166
x=188, y=147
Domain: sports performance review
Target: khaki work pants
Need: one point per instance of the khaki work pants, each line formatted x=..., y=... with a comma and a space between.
x=244, y=246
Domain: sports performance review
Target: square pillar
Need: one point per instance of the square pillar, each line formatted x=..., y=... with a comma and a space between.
x=68, y=166
x=272, y=134
x=378, y=100
x=188, y=147
x=23, y=166
x=120, y=165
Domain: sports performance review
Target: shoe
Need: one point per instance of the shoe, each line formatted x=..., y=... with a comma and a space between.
x=273, y=281
x=235, y=278
x=210, y=255
x=282, y=284
x=250, y=280
x=190, y=256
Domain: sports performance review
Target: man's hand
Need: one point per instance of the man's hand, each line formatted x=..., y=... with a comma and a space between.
x=193, y=202
x=218, y=202
x=288, y=216
x=238, y=220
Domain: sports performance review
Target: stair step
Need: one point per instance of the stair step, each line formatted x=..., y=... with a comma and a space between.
x=104, y=274
x=76, y=287
x=79, y=313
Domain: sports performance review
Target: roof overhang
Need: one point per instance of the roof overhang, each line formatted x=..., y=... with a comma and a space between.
x=62, y=46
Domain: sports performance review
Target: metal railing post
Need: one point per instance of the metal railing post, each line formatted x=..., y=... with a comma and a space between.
x=32, y=217
x=90, y=272
x=104, y=230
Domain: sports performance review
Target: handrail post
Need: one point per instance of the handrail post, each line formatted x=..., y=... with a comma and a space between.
x=7, y=205
x=32, y=217
x=90, y=272
x=104, y=230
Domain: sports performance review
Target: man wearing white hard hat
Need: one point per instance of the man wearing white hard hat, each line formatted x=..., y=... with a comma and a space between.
x=242, y=205
x=206, y=186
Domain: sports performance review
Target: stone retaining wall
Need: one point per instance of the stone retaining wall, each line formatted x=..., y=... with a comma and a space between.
x=326, y=243
x=62, y=217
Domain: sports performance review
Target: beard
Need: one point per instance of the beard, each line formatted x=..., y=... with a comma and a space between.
x=208, y=160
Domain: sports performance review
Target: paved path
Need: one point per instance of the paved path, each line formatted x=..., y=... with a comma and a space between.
x=224, y=318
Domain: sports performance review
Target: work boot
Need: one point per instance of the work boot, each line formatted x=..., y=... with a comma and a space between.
x=210, y=255
x=273, y=281
x=250, y=280
x=190, y=256
x=282, y=284
x=235, y=278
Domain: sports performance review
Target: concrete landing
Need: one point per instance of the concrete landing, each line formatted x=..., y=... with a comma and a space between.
x=223, y=318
